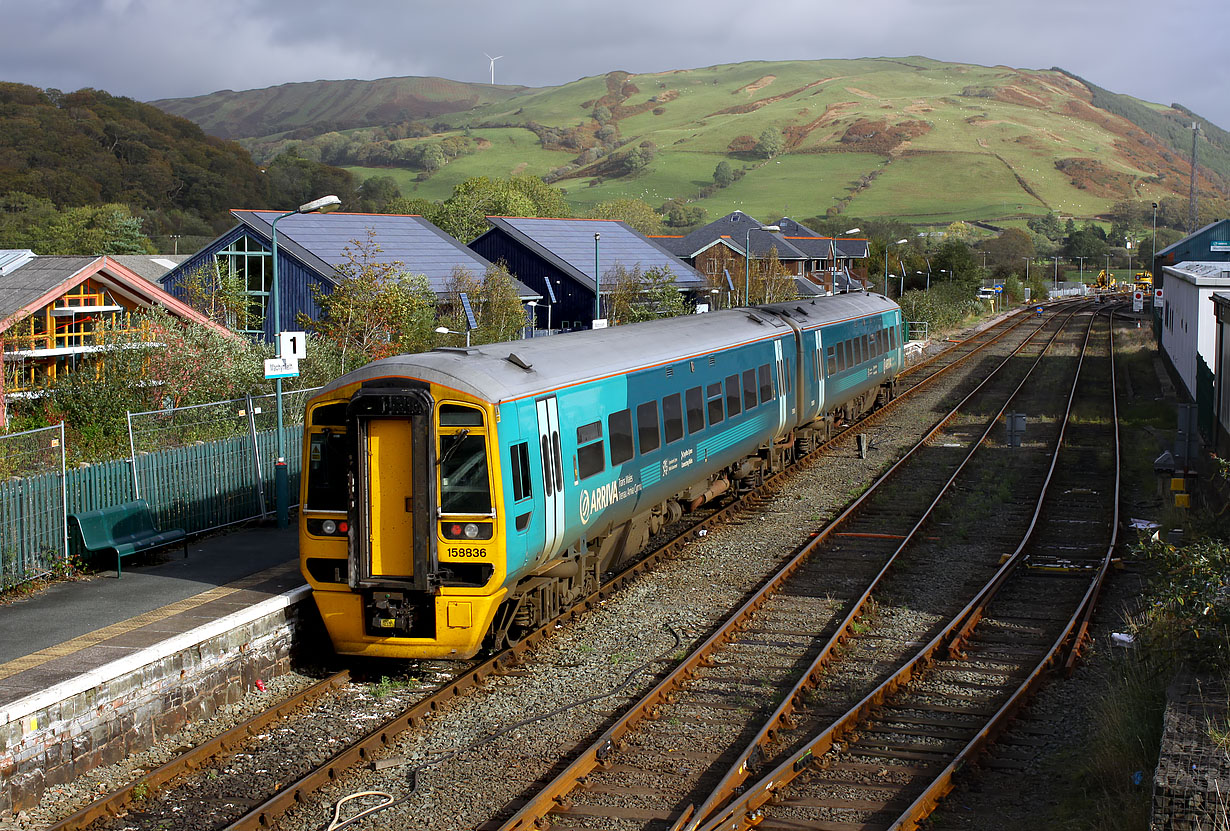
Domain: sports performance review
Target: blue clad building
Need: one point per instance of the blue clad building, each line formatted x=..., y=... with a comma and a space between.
x=555, y=258
x=311, y=248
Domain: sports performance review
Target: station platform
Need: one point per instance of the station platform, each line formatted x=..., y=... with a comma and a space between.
x=77, y=628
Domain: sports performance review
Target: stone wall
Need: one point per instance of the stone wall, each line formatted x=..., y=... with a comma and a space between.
x=1191, y=786
x=52, y=737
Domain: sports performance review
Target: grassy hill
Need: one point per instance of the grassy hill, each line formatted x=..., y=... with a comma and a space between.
x=915, y=138
x=321, y=106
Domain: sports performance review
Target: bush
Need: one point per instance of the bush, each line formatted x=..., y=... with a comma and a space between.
x=945, y=306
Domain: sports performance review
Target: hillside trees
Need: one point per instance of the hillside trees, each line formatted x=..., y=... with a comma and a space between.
x=769, y=144
x=1007, y=251
x=723, y=174
x=636, y=213
x=464, y=213
x=89, y=230
x=682, y=214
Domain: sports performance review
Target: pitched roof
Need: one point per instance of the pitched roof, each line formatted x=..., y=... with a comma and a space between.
x=13, y=258
x=40, y=281
x=803, y=237
x=1181, y=243
x=151, y=267
x=320, y=241
x=569, y=245
x=738, y=229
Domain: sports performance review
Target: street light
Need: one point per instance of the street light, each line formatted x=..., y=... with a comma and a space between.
x=928, y=276
x=1082, y=259
x=533, y=304
x=844, y=233
x=1027, y=261
x=281, y=482
x=597, y=281
x=715, y=293
x=1056, y=259
x=444, y=330
x=898, y=242
x=747, y=257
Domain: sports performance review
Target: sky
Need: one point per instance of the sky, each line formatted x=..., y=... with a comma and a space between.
x=148, y=49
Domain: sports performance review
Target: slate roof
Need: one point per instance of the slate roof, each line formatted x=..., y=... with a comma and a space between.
x=805, y=238
x=151, y=267
x=319, y=241
x=569, y=245
x=733, y=229
x=24, y=285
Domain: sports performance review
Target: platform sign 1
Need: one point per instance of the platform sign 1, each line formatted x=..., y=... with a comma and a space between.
x=293, y=345
x=285, y=367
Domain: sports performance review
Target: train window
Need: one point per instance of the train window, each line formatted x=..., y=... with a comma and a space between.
x=591, y=458
x=557, y=458
x=831, y=359
x=328, y=488
x=647, y=427
x=749, y=389
x=696, y=409
x=463, y=474
x=766, y=383
x=733, y=402
x=788, y=386
x=866, y=349
x=849, y=345
x=713, y=395
x=672, y=417
x=455, y=415
x=330, y=415
x=547, y=478
x=619, y=426
x=520, y=454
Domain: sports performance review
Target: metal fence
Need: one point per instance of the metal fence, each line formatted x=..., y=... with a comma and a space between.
x=33, y=507
x=200, y=467
x=211, y=465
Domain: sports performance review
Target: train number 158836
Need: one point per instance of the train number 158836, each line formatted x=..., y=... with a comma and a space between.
x=453, y=551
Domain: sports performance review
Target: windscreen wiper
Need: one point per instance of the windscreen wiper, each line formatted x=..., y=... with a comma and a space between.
x=452, y=448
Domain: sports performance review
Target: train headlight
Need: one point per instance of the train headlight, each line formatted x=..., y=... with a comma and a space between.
x=471, y=531
x=466, y=530
x=329, y=527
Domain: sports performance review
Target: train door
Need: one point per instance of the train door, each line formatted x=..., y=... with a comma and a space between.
x=781, y=386
x=552, y=473
x=394, y=532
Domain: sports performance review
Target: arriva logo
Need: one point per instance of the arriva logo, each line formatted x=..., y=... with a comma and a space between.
x=597, y=500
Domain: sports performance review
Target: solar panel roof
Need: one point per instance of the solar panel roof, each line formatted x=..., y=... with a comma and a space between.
x=411, y=240
x=569, y=243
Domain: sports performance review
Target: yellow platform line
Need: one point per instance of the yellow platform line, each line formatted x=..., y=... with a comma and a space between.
x=62, y=650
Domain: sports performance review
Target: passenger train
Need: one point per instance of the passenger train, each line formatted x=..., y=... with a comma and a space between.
x=456, y=499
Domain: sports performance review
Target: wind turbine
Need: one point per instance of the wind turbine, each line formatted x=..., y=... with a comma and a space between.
x=493, y=60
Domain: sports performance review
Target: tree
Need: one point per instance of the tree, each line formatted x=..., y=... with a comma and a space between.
x=681, y=214
x=642, y=295
x=639, y=157
x=376, y=310
x=770, y=282
x=376, y=192
x=1048, y=226
x=493, y=299
x=221, y=296
x=1085, y=243
x=770, y=143
x=1007, y=251
x=464, y=214
x=602, y=114
x=723, y=174
x=636, y=213
x=32, y=222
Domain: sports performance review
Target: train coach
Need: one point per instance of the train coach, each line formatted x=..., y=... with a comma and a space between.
x=458, y=498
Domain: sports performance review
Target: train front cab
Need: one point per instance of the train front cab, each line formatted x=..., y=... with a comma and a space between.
x=399, y=531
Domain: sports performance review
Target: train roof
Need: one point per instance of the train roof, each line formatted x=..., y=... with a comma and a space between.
x=507, y=371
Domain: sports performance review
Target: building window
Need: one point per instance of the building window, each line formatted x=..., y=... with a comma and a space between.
x=248, y=263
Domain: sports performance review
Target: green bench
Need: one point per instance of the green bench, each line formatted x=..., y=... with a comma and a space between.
x=125, y=529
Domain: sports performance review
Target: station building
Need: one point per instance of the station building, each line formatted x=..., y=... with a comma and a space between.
x=568, y=261
x=1189, y=331
x=313, y=251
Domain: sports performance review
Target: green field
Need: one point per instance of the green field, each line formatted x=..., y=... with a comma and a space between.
x=945, y=141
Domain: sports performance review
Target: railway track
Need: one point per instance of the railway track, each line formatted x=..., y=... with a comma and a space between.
x=888, y=761
x=653, y=767
x=263, y=812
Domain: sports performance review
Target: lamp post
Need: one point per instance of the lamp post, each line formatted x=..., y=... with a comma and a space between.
x=948, y=272
x=984, y=260
x=1082, y=259
x=281, y=483
x=1027, y=261
x=444, y=330
x=1056, y=259
x=713, y=293
x=834, y=269
x=747, y=257
x=533, y=304
x=1127, y=246
x=597, y=281
x=886, y=246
